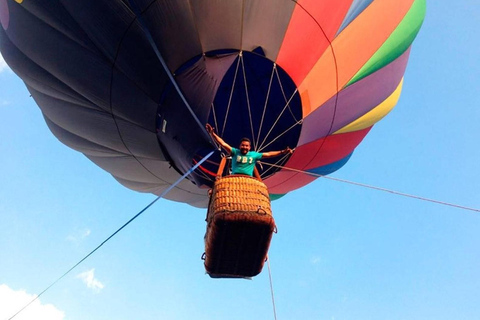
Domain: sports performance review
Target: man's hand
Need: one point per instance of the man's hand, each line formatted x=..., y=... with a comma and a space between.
x=271, y=154
x=287, y=151
x=209, y=128
x=219, y=140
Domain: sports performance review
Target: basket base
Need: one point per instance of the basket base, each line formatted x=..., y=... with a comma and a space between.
x=236, y=244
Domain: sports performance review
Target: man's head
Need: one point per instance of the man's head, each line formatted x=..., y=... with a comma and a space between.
x=244, y=145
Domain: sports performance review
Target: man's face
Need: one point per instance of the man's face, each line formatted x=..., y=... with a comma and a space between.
x=244, y=147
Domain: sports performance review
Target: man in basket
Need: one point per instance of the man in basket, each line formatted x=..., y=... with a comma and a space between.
x=243, y=160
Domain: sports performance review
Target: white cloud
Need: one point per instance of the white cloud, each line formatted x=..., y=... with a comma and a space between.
x=3, y=64
x=88, y=277
x=12, y=301
x=315, y=260
x=79, y=235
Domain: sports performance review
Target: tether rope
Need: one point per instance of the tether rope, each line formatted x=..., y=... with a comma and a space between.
x=271, y=289
x=138, y=14
x=113, y=234
x=376, y=188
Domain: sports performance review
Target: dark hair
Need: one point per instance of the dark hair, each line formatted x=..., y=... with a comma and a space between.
x=245, y=139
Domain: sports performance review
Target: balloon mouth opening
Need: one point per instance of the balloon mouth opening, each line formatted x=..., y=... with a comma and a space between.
x=256, y=99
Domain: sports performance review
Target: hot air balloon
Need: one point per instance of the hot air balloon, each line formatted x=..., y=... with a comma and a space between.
x=132, y=83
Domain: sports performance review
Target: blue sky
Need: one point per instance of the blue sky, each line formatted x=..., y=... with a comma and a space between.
x=342, y=252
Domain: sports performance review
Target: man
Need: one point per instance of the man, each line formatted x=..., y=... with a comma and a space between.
x=243, y=160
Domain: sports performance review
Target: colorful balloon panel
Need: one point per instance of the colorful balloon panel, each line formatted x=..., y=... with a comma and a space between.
x=311, y=29
x=321, y=157
x=314, y=75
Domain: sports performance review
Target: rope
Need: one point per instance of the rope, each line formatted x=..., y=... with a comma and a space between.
x=231, y=95
x=115, y=116
x=148, y=35
x=248, y=100
x=214, y=116
x=284, y=95
x=113, y=234
x=271, y=289
x=282, y=160
x=377, y=188
x=266, y=102
x=278, y=118
x=281, y=134
x=335, y=64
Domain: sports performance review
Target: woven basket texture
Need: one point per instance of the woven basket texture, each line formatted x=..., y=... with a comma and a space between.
x=236, y=193
x=239, y=227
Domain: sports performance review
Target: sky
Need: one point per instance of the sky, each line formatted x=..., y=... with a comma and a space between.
x=342, y=252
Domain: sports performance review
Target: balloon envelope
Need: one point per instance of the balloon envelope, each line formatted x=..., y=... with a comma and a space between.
x=131, y=84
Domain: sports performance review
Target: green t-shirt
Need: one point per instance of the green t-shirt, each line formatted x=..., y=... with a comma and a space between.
x=244, y=164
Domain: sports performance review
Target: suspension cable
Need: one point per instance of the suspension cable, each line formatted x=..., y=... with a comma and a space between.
x=278, y=118
x=230, y=98
x=375, y=188
x=284, y=95
x=266, y=103
x=281, y=134
x=113, y=234
x=280, y=162
x=248, y=100
x=214, y=116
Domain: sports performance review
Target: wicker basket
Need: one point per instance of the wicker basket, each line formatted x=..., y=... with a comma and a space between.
x=237, y=193
x=239, y=227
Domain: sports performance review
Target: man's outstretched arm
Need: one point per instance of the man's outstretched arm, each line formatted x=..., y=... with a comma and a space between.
x=272, y=154
x=220, y=141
